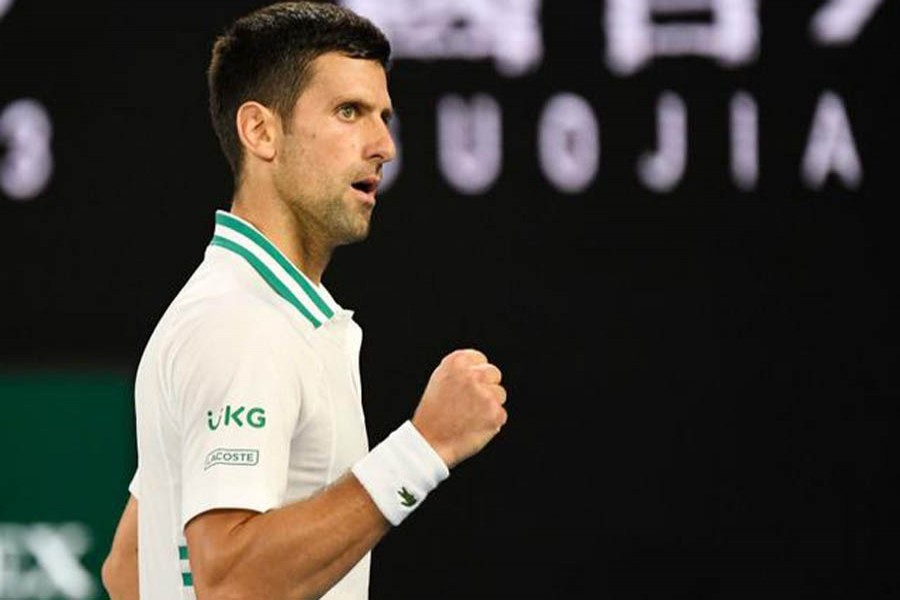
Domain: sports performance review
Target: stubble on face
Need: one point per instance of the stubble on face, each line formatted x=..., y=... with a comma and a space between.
x=319, y=201
x=321, y=156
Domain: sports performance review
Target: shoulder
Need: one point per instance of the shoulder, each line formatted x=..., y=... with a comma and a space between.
x=225, y=298
x=236, y=341
x=237, y=325
x=225, y=312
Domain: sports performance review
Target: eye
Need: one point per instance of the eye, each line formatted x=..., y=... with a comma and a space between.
x=348, y=111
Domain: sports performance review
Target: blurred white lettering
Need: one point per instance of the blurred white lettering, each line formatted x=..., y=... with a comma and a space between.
x=637, y=34
x=470, y=142
x=508, y=31
x=831, y=148
x=662, y=171
x=43, y=560
x=25, y=131
x=5, y=5
x=729, y=35
x=840, y=22
x=744, y=141
x=569, y=142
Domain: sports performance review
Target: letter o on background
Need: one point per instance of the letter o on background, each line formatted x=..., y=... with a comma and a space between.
x=569, y=142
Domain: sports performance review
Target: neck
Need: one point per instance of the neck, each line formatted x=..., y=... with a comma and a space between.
x=286, y=230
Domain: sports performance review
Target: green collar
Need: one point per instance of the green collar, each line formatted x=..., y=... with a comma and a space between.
x=242, y=238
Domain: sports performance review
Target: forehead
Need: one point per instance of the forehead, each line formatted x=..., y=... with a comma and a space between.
x=337, y=77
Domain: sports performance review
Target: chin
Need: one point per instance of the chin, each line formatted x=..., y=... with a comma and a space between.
x=357, y=235
x=362, y=235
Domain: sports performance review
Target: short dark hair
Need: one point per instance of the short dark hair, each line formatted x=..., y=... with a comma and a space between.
x=266, y=56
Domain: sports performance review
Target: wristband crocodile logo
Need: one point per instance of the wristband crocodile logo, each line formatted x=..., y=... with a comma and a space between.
x=408, y=498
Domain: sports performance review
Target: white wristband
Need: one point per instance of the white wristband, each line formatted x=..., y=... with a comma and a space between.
x=400, y=471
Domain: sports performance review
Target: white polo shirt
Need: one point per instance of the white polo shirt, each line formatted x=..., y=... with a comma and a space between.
x=247, y=396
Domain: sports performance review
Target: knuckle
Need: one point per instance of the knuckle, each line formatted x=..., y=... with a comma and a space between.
x=501, y=394
x=501, y=417
x=470, y=356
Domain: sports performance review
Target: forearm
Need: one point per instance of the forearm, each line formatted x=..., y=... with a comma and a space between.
x=297, y=551
x=120, y=578
x=301, y=550
x=120, y=568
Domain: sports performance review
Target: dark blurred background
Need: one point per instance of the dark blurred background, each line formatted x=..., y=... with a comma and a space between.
x=670, y=222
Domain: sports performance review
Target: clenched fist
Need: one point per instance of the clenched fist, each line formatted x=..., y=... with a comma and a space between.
x=461, y=409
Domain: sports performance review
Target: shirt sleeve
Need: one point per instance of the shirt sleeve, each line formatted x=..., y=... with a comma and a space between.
x=238, y=394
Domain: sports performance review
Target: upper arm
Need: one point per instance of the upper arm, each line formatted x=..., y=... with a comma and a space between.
x=207, y=536
x=238, y=396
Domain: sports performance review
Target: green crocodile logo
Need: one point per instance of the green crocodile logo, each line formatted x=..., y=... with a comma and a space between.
x=408, y=498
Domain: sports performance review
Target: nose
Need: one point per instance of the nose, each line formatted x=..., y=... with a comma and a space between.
x=382, y=147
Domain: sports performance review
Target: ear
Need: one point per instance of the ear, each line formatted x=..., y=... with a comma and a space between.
x=258, y=128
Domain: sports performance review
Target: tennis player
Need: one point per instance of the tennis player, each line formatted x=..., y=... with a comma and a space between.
x=255, y=478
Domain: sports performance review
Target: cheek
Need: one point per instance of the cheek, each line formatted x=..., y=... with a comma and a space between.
x=319, y=160
x=302, y=162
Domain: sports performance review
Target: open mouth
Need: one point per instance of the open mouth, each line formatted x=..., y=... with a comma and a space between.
x=367, y=185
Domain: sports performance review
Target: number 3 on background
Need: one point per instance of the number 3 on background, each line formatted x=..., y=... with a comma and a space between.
x=27, y=163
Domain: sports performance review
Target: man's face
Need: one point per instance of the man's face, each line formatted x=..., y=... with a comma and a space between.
x=329, y=161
